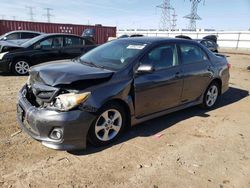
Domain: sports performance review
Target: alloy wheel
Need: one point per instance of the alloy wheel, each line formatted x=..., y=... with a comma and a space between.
x=108, y=125
x=22, y=67
x=212, y=95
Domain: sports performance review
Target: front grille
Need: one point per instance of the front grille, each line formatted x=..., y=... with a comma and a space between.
x=39, y=95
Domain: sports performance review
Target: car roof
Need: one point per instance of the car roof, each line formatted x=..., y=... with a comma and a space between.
x=60, y=34
x=151, y=40
x=24, y=31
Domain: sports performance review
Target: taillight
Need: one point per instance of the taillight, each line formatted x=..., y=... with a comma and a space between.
x=229, y=66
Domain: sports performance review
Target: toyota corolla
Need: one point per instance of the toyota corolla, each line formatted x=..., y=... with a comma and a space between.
x=93, y=99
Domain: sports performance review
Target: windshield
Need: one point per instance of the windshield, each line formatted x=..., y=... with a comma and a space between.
x=113, y=55
x=32, y=41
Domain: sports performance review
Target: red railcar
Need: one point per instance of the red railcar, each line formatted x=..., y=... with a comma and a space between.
x=102, y=33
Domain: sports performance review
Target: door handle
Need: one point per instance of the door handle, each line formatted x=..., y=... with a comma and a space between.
x=209, y=68
x=177, y=75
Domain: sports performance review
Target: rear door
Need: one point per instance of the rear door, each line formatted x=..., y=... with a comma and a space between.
x=73, y=47
x=197, y=72
x=161, y=89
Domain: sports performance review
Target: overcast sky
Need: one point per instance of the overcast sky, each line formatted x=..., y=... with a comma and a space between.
x=216, y=14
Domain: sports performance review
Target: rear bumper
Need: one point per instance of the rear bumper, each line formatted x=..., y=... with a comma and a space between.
x=5, y=65
x=39, y=124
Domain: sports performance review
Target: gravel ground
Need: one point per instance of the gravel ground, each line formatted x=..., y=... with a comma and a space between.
x=190, y=148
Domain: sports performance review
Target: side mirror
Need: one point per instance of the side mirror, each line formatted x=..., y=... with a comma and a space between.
x=142, y=69
x=4, y=38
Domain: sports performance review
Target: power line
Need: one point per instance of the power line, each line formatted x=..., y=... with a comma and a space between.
x=174, y=20
x=31, y=13
x=193, y=16
x=165, y=14
x=48, y=14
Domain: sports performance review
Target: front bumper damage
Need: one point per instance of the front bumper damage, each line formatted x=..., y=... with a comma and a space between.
x=41, y=123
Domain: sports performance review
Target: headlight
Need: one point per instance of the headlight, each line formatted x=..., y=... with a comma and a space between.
x=2, y=54
x=66, y=102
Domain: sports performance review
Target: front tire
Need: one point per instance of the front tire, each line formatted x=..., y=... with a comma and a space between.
x=108, y=126
x=211, y=95
x=20, y=67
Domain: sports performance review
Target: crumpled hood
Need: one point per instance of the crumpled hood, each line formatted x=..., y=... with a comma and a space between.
x=66, y=72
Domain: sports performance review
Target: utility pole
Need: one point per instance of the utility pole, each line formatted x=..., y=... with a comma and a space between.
x=165, y=15
x=31, y=13
x=193, y=16
x=2, y=16
x=48, y=14
x=174, y=20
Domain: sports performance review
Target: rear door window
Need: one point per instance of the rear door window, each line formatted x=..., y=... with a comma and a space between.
x=28, y=35
x=192, y=54
x=73, y=41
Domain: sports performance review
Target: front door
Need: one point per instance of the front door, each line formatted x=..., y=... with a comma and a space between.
x=162, y=88
x=48, y=49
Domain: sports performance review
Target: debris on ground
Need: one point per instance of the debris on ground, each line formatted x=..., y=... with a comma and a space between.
x=159, y=135
x=16, y=133
x=139, y=166
x=64, y=158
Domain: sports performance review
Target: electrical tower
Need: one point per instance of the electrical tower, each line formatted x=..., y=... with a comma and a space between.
x=31, y=13
x=48, y=14
x=2, y=16
x=174, y=20
x=193, y=16
x=165, y=15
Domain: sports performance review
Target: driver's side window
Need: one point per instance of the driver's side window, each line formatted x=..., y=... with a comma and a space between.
x=50, y=43
x=162, y=57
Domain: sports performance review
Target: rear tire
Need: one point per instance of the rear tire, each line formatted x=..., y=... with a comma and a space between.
x=108, y=126
x=211, y=95
x=20, y=67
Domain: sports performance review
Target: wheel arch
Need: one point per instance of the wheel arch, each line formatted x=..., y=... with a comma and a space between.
x=14, y=59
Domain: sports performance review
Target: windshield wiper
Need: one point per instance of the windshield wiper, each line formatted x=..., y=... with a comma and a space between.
x=93, y=64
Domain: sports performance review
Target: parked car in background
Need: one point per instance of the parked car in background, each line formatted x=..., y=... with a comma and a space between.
x=211, y=45
x=19, y=37
x=90, y=34
x=130, y=36
x=183, y=37
x=213, y=38
x=46, y=47
x=121, y=83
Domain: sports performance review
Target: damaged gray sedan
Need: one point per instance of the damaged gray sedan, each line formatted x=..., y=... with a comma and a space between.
x=67, y=104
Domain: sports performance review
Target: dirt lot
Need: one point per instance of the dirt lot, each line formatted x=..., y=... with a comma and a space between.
x=194, y=148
